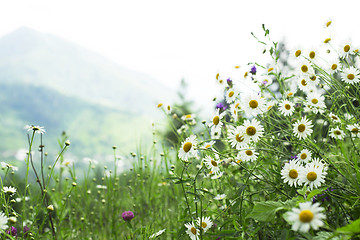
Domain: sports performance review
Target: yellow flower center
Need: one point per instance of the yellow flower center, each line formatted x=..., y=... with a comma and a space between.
x=193, y=230
x=301, y=128
x=168, y=107
x=327, y=40
x=270, y=69
x=159, y=105
x=311, y=176
x=334, y=66
x=217, y=76
x=306, y=216
x=314, y=101
x=253, y=104
x=203, y=225
x=312, y=77
x=312, y=54
x=303, y=156
x=239, y=138
x=187, y=146
x=188, y=116
x=214, y=163
x=216, y=120
x=346, y=48
x=303, y=82
x=287, y=106
x=337, y=132
x=304, y=68
x=237, y=105
x=293, y=173
x=249, y=152
x=355, y=130
x=221, y=81
x=328, y=23
x=207, y=146
x=231, y=93
x=297, y=53
x=251, y=131
x=237, y=66
x=290, y=94
x=245, y=75
x=334, y=117
x=350, y=76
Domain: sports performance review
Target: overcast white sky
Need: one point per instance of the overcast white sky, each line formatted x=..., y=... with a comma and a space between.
x=170, y=40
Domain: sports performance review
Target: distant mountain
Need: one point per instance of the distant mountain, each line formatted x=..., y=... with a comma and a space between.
x=48, y=81
x=31, y=57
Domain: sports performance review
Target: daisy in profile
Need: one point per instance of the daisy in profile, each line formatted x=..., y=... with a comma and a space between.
x=350, y=75
x=155, y=235
x=213, y=164
x=37, y=129
x=192, y=231
x=253, y=130
x=302, y=128
x=312, y=79
x=337, y=133
x=209, y=145
x=9, y=190
x=315, y=102
x=253, y=104
x=216, y=123
x=334, y=118
x=231, y=95
x=286, y=108
x=319, y=163
x=188, y=148
x=3, y=221
x=290, y=173
x=247, y=155
x=304, y=156
x=190, y=118
x=307, y=216
x=312, y=176
x=236, y=137
x=220, y=197
x=354, y=129
x=205, y=223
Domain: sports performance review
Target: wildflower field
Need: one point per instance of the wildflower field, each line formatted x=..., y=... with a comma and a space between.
x=276, y=160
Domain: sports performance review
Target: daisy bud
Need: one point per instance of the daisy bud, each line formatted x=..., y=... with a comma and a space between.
x=74, y=184
x=67, y=143
x=12, y=219
x=50, y=208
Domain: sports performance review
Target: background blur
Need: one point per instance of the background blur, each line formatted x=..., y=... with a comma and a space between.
x=97, y=69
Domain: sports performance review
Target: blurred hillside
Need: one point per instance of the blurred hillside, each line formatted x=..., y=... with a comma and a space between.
x=48, y=81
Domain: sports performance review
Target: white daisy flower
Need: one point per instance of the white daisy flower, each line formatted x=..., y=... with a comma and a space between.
x=303, y=67
x=302, y=128
x=334, y=118
x=209, y=145
x=205, y=223
x=290, y=173
x=7, y=165
x=302, y=84
x=157, y=234
x=192, y=231
x=37, y=129
x=234, y=111
x=315, y=102
x=253, y=130
x=215, y=133
x=236, y=137
x=345, y=49
x=304, y=156
x=319, y=163
x=3, y=221
x=231, y=95
x=313, y=55
x=247, y=155
x=216, y=123
x=354, y=129
x=220, y=80
x=253, y=104
x=312, y=176
x=350, y=75
x=333, y=65
x=312, y=79
x=220, y=197
x=307, y=216
x=286, y=108
x=187, y=149
x=10, y=190
x=296, y=54
x=212, y=164
x=337, y=133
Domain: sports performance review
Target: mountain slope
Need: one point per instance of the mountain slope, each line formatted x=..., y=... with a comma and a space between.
x=30, y=57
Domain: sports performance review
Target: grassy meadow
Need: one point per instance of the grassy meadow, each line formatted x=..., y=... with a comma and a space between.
x=277, y=161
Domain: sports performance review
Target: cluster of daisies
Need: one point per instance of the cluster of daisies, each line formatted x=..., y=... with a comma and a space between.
x=300, y=99
x=193, y=230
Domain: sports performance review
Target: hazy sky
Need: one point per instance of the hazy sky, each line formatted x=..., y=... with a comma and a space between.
x=170, y=40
